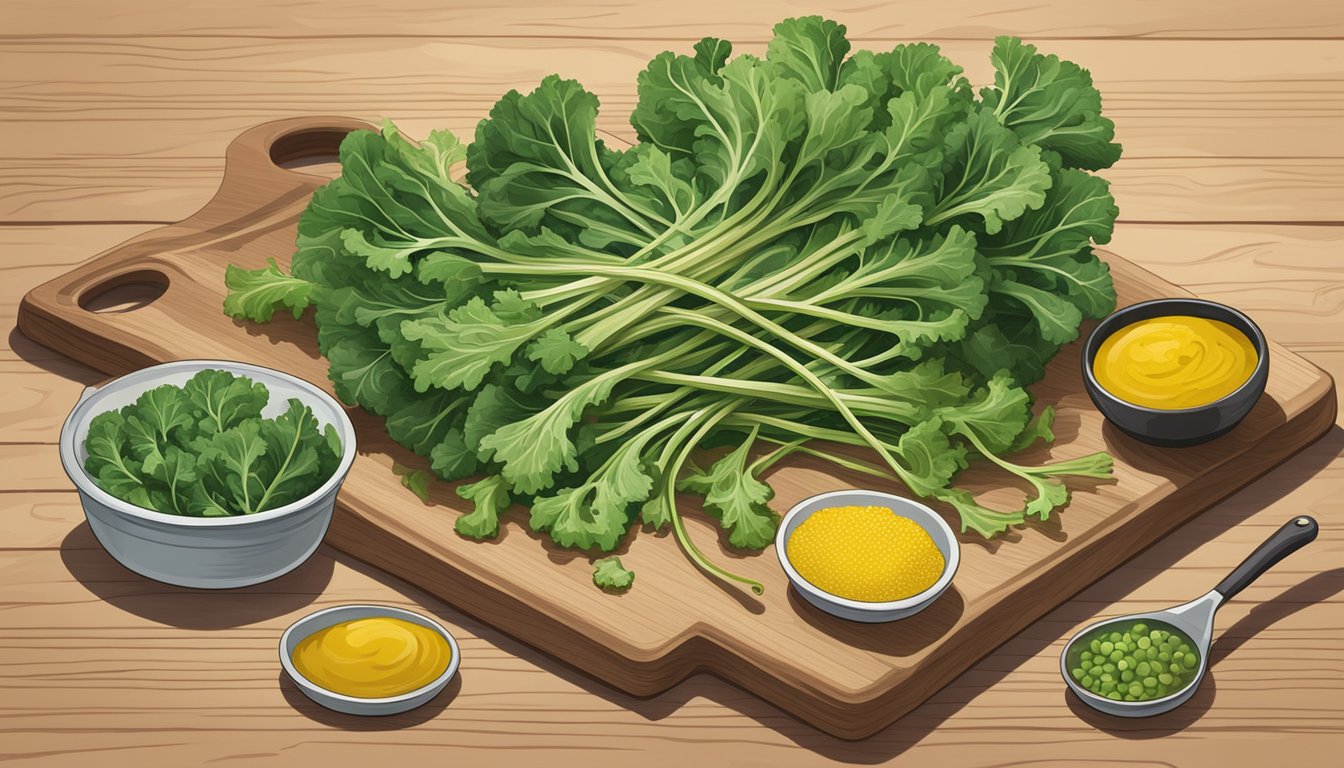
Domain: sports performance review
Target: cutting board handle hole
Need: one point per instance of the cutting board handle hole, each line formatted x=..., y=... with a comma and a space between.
x=124, y=293
x=313, y=151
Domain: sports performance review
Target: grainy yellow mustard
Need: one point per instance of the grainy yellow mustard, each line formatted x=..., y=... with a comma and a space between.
x=869, y=554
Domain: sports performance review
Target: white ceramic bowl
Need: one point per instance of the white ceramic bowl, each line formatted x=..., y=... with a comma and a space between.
x=352, y=705
x=205, y=552
x=858, y=610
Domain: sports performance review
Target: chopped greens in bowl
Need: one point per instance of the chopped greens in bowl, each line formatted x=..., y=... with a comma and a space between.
x=204, y=449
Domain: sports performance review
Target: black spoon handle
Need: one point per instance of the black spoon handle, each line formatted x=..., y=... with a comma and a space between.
x=1295, y=534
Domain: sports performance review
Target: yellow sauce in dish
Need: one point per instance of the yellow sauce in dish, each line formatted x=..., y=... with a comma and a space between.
x=373, y=658
x=865, y=553
x=1174, y=362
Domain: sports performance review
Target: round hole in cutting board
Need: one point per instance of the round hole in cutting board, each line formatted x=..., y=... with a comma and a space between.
x=313, y=152
x=125, y=293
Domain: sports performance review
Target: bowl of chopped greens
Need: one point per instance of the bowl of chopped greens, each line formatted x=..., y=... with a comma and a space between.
x=208, y=474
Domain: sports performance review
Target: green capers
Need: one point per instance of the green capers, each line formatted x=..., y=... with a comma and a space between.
x=1135, y=662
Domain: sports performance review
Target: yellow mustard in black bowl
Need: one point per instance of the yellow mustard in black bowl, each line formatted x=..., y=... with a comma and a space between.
x=1175, y=372
x=1175, y=361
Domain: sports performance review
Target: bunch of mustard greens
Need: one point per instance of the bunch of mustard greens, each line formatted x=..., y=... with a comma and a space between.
x=807, y=249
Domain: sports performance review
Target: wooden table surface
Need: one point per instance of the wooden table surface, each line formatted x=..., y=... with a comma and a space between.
x=113, y=120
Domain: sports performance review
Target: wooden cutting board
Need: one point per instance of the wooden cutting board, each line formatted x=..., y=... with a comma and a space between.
x=848, y=679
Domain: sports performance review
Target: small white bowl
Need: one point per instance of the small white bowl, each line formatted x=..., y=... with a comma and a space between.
x=353, y=705
x=858, y=610
x=206, y=552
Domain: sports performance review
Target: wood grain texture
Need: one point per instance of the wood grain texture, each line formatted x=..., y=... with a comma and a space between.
x=1247, y=131
x=848, y=680
x=585, y=19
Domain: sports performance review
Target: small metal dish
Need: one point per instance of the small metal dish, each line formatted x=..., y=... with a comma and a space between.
x=353, y=705
x=1178, y=426
x=857, y=610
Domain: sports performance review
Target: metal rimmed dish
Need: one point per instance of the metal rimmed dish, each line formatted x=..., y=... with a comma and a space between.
x=353, y=705
x=857, y=610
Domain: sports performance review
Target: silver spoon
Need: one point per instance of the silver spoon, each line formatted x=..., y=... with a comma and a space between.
x=1193, y=619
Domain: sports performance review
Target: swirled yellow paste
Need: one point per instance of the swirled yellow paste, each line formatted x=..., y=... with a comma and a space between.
x=373, y=658
x=1174, y=362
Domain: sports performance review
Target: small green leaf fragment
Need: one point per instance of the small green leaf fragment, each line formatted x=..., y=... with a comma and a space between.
x=414, y=480
x=608, y=573
x=255, y=294
x=489, y=497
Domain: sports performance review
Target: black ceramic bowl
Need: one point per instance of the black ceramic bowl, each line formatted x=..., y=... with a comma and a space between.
x=1184, y=426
